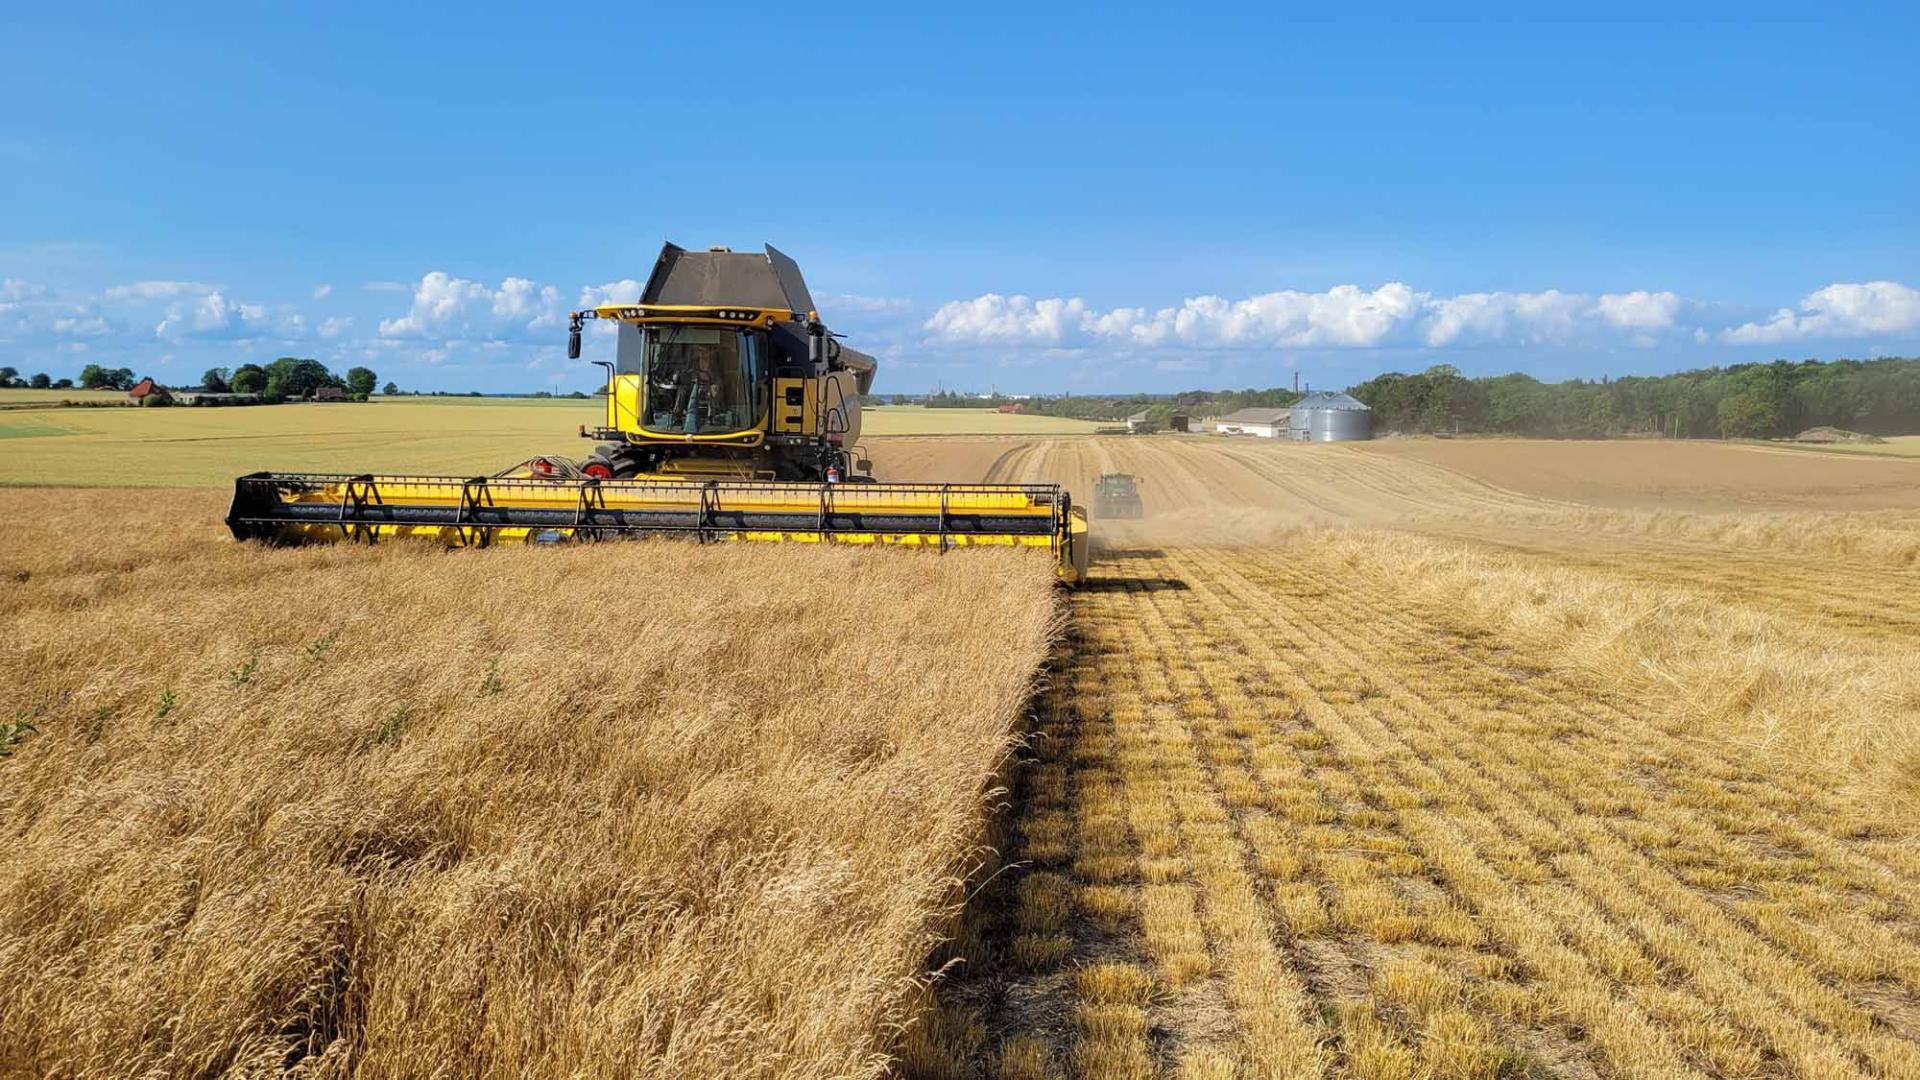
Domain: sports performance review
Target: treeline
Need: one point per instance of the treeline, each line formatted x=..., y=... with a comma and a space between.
x=1116, y=407
x=291, y=377
x=1766, y=400
x=11, y=379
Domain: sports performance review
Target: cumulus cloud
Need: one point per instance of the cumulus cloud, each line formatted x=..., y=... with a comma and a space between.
x=997, y=319
x=1345, y=316
x=1640, y=310
x=624, y=291
x=29, y=311
x=322, y=291
x=215, y=316
x=1839, y=310
x=452, y=308
x=1504, y=318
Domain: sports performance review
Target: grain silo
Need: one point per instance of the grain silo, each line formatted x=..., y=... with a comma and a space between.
x=1329, y=417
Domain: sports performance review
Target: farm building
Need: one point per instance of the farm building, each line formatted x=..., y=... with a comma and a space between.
x=194, y=395
x=1261, y=423
x=146, y=388
x=1139, y=424
x=1016, y=408
x=1330, y=417
x=1180, y=422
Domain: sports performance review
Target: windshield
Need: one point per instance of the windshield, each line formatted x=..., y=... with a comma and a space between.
x=701, y=380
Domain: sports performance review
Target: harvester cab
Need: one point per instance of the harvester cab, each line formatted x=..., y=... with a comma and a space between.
x=1117, y=495
x=732, y=414
x=725, y=369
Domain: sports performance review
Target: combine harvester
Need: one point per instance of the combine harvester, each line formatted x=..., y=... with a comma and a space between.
x=733, y=413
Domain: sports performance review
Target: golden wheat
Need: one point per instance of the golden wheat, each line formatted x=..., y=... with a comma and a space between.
x=629, y=808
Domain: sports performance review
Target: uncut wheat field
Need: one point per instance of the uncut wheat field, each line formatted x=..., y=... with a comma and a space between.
x=626, y=809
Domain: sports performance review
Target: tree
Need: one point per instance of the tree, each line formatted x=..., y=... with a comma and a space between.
x=361, y=381
x=390, y=390
x=95, y=377
x=248, y=379
x=9, y=376
x=1749, y=414
x=215, y=380
x=41, y=381
x=63, y=384
x=295, y=377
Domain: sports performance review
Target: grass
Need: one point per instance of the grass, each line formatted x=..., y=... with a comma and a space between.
x=208, y=447
x=597, y=811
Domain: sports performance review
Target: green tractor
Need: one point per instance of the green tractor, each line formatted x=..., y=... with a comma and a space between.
x=1117, y=495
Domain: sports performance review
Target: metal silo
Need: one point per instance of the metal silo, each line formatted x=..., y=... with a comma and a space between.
x=1329, y=417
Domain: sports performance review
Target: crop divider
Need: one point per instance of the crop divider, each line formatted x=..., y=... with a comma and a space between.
x=474, y=493
x=588, y=497
x=709, y=509
x=360, y=490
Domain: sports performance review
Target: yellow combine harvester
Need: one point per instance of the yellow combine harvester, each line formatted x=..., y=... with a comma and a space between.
x=733, y=413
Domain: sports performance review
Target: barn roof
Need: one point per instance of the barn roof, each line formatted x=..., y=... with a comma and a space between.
x=1254, y=416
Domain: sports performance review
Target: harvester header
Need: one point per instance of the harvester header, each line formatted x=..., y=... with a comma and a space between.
x=732, y=413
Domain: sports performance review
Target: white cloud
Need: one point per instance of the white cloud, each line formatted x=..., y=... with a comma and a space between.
x=1639, y=310
x=29, y=311
x=334, y=326
x=13, y=291
x=214, y=316
x=322, y=291
x=832, y=303
x=452, y=308
x=993, y=318
x=624, y=291
x=1839, y=310
x=1504, y=318
x=150, y=291
x=1344, y=316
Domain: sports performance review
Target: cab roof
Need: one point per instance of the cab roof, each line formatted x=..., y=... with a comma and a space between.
x=719, y=277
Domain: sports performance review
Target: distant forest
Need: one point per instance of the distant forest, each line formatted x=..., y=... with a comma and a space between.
x=1766, y=400
x=1757, y=401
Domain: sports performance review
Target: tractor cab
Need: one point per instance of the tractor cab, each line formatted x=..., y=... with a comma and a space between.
x=1117, y=495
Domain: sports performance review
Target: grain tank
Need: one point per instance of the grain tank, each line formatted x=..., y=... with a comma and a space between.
x=1325, y=416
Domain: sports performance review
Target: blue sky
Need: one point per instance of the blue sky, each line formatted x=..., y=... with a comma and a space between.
x=1091, y=201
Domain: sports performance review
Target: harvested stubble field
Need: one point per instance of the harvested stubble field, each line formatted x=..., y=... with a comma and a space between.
x=619, y=809
x=1477, y=783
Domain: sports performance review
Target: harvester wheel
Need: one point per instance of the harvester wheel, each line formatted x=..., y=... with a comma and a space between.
x=597, y=469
